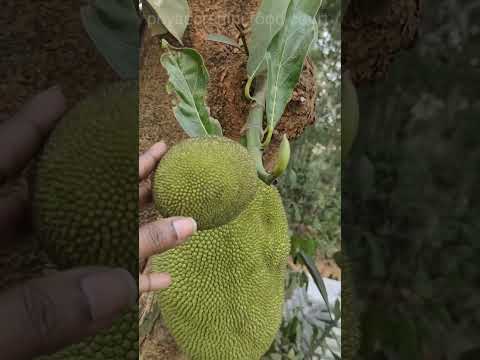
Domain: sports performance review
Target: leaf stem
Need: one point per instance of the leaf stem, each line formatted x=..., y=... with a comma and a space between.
x=241, y=30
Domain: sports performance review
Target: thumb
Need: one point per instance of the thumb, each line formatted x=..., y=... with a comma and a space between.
x=44, y=315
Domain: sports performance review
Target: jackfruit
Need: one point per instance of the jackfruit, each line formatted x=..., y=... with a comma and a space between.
x=85, y=202
x=120, y=342
x=86, y=183
x=211, y=179
x=351, y=334
x=226, y=297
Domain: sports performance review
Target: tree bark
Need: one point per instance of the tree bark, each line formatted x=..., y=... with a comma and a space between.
x=227, y=69
x=373, y=32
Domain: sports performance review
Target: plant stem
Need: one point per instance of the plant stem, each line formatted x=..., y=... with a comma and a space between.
x=255, y=129
x=243, y=38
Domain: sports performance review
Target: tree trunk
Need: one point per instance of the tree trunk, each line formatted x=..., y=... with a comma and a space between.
x=227, y=69
x=373, y=31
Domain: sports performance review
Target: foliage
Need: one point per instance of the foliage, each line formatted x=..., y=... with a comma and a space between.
x=114, y=27
x=311, y=186
x=412, y=228
x=285, y=57
x=188, y=77
x=171, y=16
x=311, y=189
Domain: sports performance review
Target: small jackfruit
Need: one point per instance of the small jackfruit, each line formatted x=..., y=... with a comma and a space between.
x=85, y=202
x=225, y=301
x=211, y=179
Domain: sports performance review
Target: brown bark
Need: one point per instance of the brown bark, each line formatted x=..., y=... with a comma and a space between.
x=373, y=32
x=227, y=69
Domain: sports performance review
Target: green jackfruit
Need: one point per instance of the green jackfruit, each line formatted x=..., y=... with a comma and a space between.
x=120, y=342
x=211, y=179
x=225, y=302
x=351, y=334
x=86, y=183
x=85, y=202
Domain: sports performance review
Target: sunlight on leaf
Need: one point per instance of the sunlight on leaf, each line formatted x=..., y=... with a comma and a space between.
x=173, y=14
x=222, y=39
x=286, y=56
x=266, y=24
x=153, y=20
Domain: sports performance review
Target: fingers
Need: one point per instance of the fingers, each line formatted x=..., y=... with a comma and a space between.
x=145, y=195
x=24, y=133
x=153, y=282
x=159, y=236
x=50, y=313
x=149, y=159
x=14, y=201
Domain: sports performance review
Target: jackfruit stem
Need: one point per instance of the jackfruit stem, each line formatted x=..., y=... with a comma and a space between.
x=255, y=130
x=283, y=158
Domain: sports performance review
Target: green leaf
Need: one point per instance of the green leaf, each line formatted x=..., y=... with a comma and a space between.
x=188, y=78
x=317, y=278
x=153, y=20
x=286, y=56
x=222, y=39
x=114, y=27
x=266, y=24
x=174, y=15
x=310, y=7
x=307, y=245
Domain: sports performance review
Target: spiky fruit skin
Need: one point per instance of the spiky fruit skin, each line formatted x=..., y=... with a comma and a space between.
x=86, y=187
x=120, y=342
x=210, y=179
x=350, y=320
x=225, y=301
x=85, y=202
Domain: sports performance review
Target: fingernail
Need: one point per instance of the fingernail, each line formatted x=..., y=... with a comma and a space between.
x=109, y=292
x=159, y=148
x=184, y=228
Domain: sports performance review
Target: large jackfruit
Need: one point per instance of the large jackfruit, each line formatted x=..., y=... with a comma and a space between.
x=85, y=202
x=225, y=301
x=120, y=342
x=86, y=187
x=211, y=179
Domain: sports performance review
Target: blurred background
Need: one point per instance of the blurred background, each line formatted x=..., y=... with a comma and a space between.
x=311, y=191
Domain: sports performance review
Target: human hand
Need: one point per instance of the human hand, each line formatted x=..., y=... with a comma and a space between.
x=158, y=236
x=46, y=314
